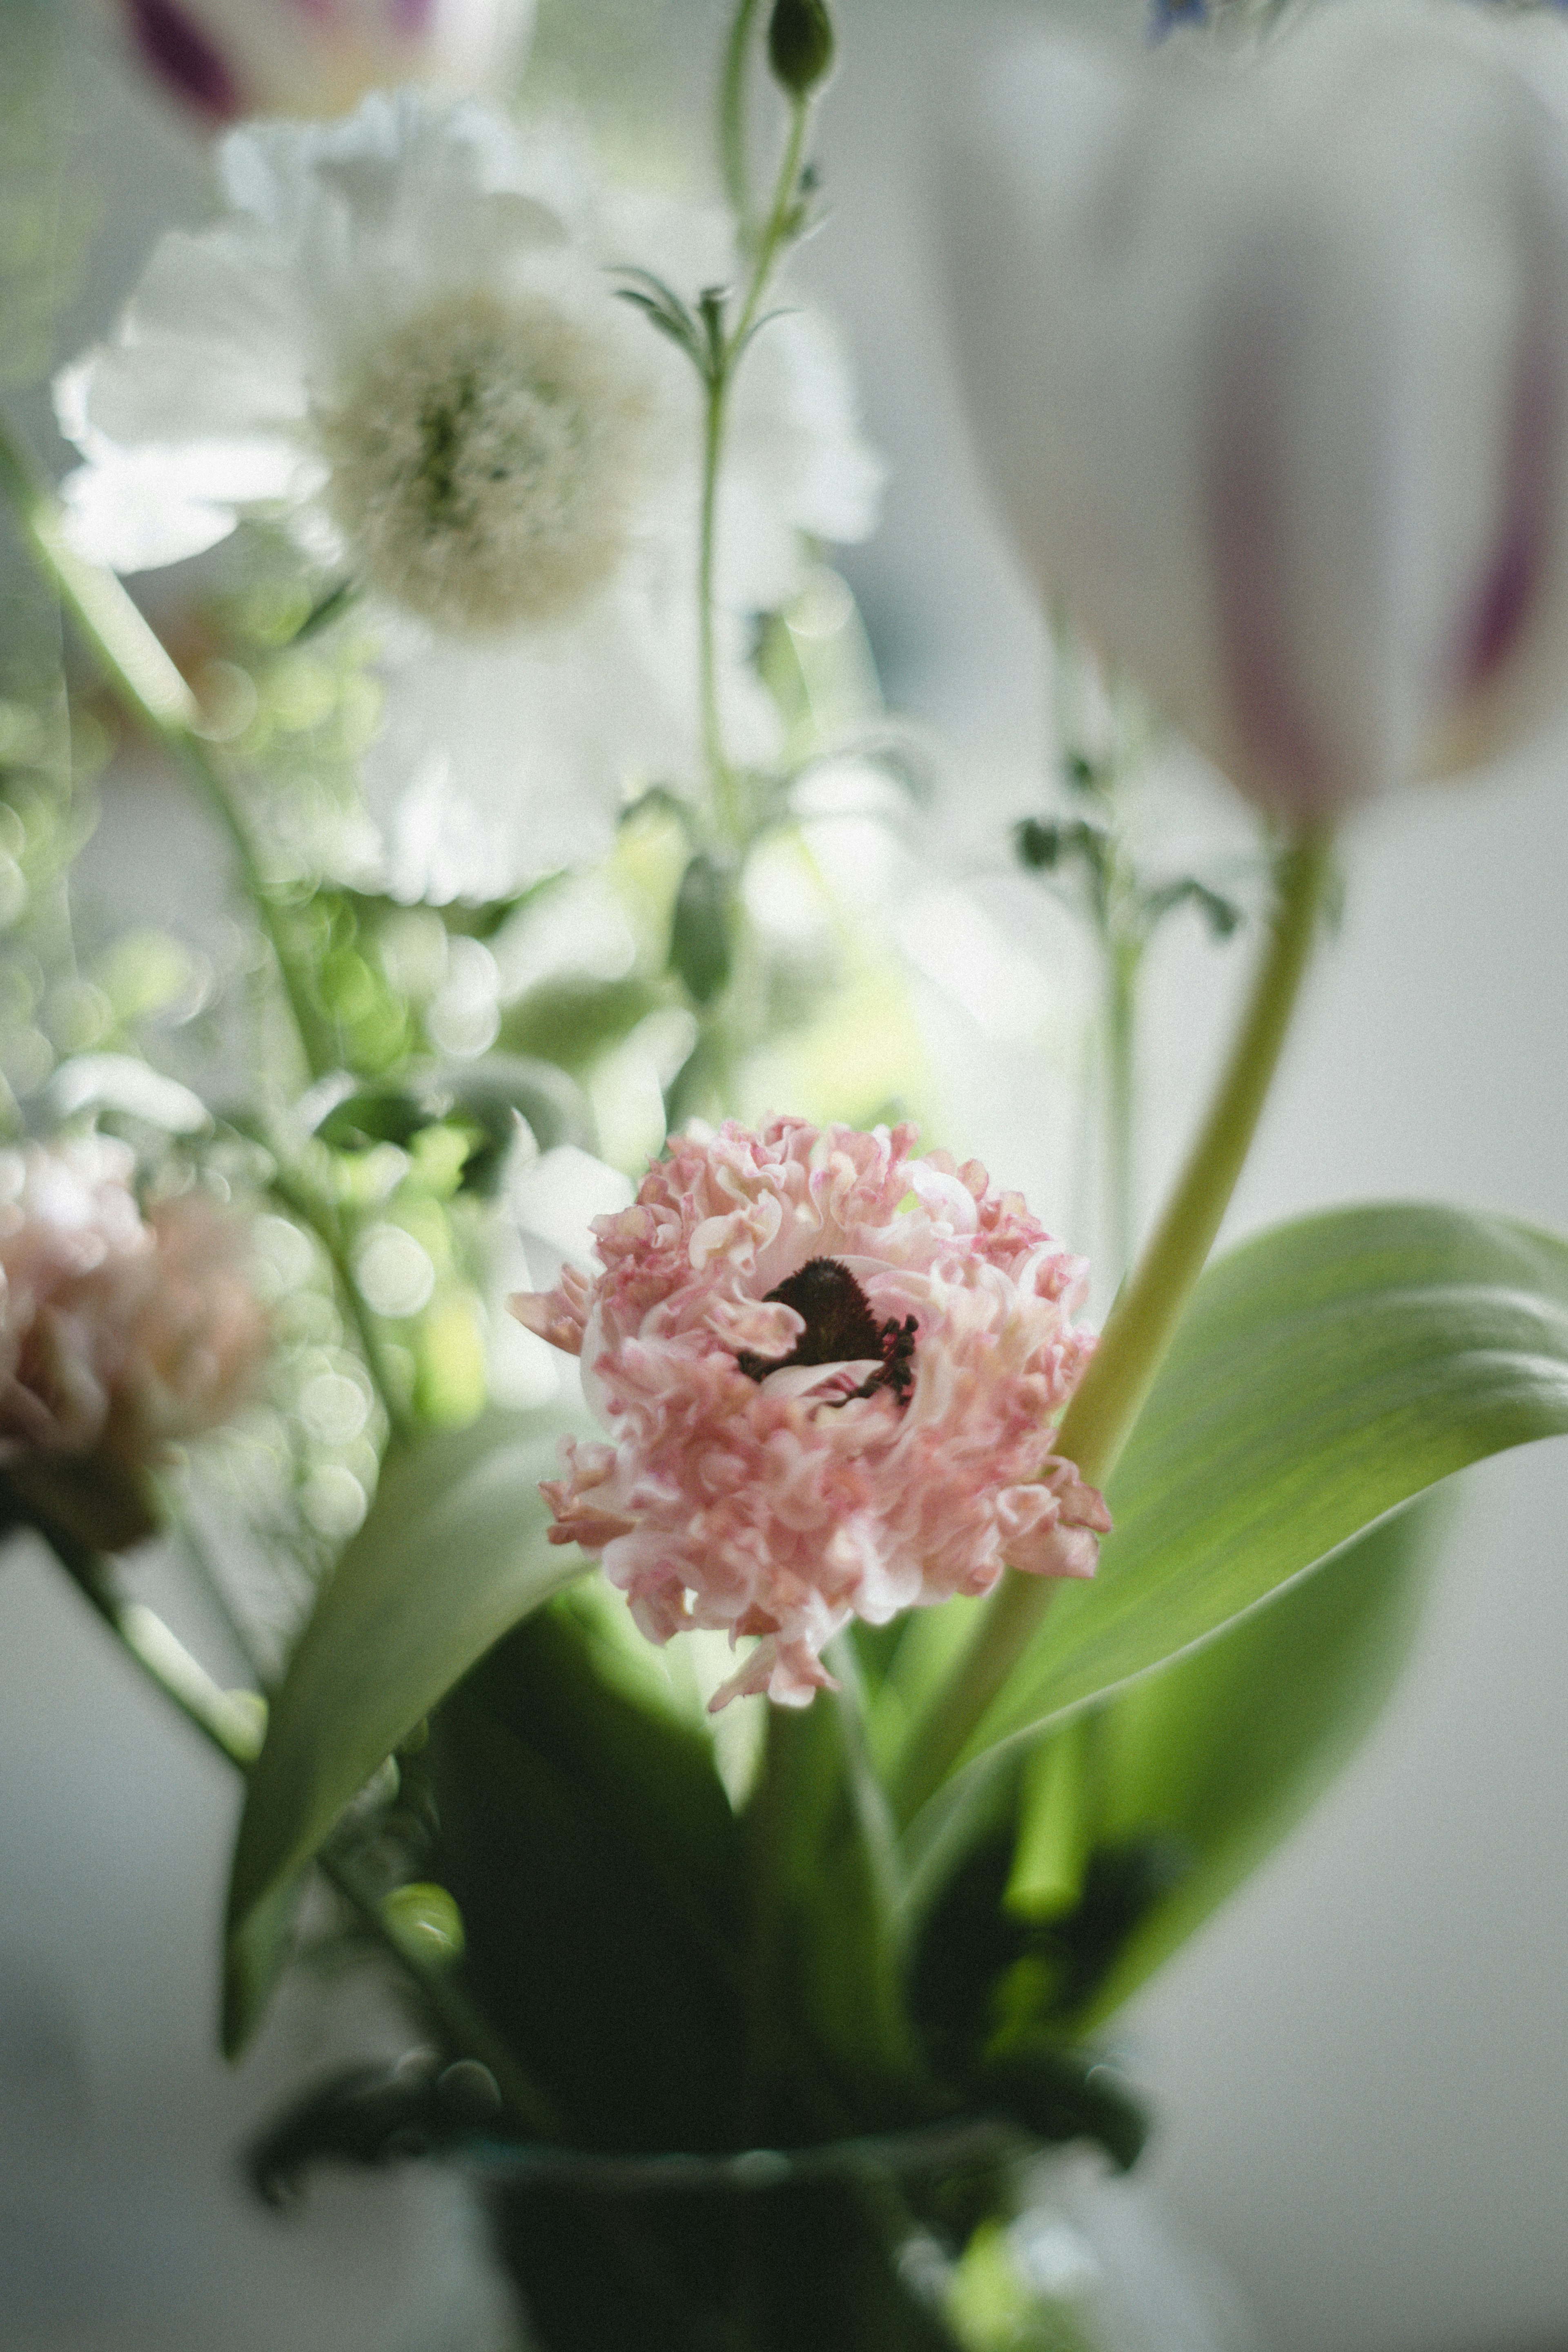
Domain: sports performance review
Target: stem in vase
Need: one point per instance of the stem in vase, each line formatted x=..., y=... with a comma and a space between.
x=1142, y=1323
x=147, y=685
x=720, y=375
x=734, y=143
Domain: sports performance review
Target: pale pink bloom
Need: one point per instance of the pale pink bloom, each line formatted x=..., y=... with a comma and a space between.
x=118, y=1333
x=830, y=1374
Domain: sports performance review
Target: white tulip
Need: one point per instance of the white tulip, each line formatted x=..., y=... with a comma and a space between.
x=1268, y=359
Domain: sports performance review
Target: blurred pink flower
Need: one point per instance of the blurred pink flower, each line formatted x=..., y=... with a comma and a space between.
x=223, y=58
x=830, y=1374
x=119, y=1334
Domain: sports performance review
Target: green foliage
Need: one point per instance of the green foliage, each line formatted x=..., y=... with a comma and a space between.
x=593, y=1852
x=701, y=938
x=1325, y=1373
x=482, y=1100
x=992, y=2307
x=1220, y=1754
x=371, y=2114
x=831, y=1937
x=572, y=1021
x=452, y=1553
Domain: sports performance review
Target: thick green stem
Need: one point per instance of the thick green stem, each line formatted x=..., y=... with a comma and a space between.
x=148, y=686
x=1143, y=1321
x=231, y=1723
x=1123, y=957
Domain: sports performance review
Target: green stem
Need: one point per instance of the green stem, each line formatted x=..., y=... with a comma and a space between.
x=1124, y=955
x=1143, y=1321
x=722, y=775
x=721, y=376
x=231, y=1722
x=786, y=189
x=323, y=1222
x=211, y=1584
x=765, y=1837
x=734, y=143
x=148, y=686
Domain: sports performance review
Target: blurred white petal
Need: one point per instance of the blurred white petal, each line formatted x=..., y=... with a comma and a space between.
x=537, y=604
x=1269, y=360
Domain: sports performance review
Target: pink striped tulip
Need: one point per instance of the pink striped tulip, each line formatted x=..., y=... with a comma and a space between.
x=1267, y=357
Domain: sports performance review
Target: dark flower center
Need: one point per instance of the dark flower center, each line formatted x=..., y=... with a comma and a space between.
x=839, y=1329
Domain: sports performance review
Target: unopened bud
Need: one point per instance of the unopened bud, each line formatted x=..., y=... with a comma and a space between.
x=800, y=44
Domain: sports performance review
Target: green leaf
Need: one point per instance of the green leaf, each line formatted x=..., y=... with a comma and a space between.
x=452, y=1554
x=824, y=1836
x=588, y=1841
x=1224, y=1750
x=1325, y=1373
x=702, y=927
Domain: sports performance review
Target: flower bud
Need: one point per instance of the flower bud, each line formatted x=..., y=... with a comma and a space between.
x=701, y=934
x=800, y=44
x=1269, y=361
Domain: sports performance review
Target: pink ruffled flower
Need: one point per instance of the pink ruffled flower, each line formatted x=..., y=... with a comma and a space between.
x=119, y=1334
x=830, y=1374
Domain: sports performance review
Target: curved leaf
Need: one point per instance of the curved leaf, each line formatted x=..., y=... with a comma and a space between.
x=1222, y=1751
x=1325, y=1374
x=452, y=1554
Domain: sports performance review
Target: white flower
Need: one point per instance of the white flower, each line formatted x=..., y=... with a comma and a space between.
x=1269, y=360
x=405, y=338
x=227, y=57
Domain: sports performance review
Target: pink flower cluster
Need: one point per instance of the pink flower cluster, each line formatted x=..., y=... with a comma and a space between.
x=830, y=1374
x=118, y=1333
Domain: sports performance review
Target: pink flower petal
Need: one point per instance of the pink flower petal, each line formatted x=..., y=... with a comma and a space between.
x=782, y=1502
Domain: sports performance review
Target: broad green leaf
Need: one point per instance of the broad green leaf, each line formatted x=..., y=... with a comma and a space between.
x=1325, y=1374
x=451, y=1555
x=823, y=1838
x=1224, y=1750
x=598, y=1866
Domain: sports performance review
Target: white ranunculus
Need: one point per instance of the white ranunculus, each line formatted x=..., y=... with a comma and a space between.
x=223, y=59
x=1269, y=357
x=404, y=339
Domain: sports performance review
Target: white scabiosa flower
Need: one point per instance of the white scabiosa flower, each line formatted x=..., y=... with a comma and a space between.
x=1269, y=357
x=405, y=339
